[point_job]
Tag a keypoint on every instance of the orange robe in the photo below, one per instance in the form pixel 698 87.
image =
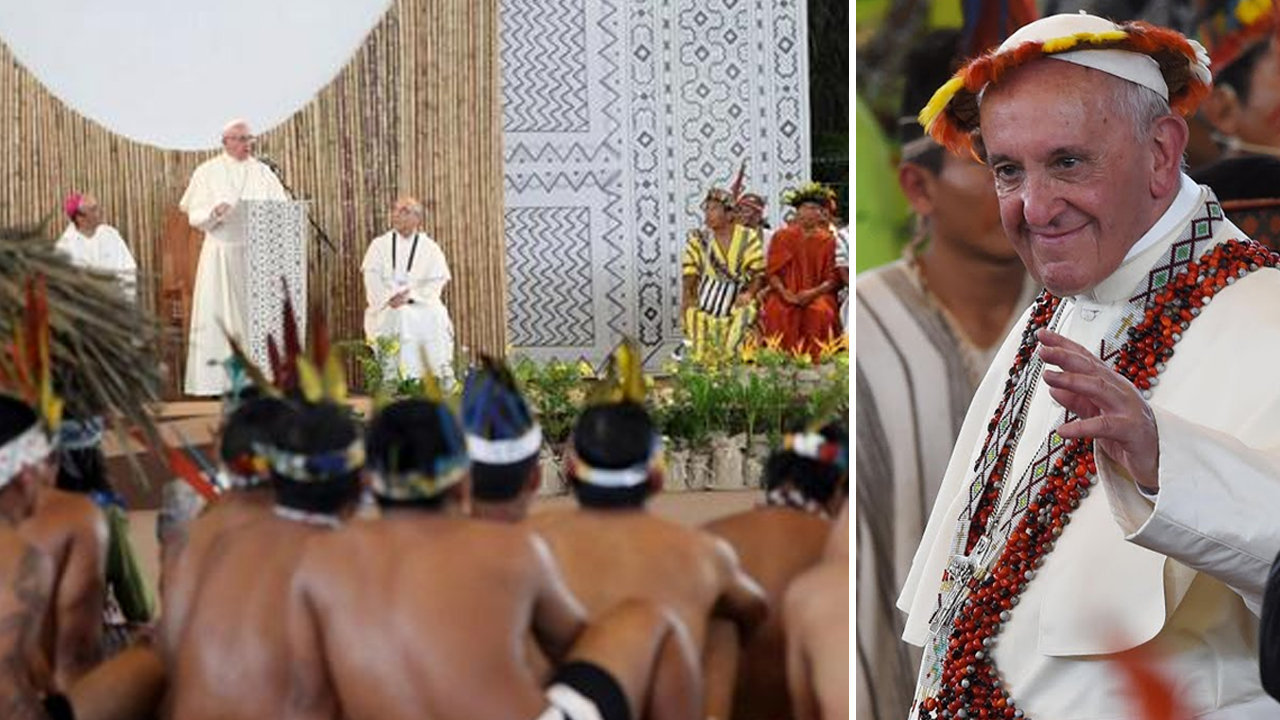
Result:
pixel 802 262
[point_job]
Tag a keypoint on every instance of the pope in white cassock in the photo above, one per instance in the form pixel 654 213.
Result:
pixel 1116 482
pixel 216 186
pixel 91 243
pixel 404 275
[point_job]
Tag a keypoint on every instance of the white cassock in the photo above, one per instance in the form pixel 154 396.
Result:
pixel 1184 573
pixel 391 264
pixel 221 275
pixel 105 251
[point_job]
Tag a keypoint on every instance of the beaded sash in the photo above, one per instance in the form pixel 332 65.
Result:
pixel 1002 538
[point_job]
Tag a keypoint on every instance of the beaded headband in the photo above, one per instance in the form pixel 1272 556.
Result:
pixel 245 471
pixel 320 467
pixel 417 485
pixel 80 434
pixel 814 446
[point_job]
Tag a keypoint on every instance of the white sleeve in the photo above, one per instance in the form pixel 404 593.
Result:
pixel 1216 507
pixel 199 201
pixel 430 286
pixel 125 266
pixel 376 289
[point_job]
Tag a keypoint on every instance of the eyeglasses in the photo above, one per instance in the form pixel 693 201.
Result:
pixel 242 138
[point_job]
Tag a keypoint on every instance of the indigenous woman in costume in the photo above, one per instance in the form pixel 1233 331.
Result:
pixel 723 268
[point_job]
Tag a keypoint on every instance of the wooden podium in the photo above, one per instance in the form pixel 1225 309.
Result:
pixel 275 248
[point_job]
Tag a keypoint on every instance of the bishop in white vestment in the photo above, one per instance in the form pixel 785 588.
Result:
pixel 93 244
pixel 216 187
pixel 404 276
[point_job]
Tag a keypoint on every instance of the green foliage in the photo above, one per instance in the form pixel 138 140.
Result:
pixel 555 391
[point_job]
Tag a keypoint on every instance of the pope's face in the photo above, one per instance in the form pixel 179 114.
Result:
pixel 1075 185
pixel 238 142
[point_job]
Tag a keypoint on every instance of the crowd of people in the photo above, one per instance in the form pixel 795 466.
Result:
pixel 742 280
pixel 1022 354
pixel 391 568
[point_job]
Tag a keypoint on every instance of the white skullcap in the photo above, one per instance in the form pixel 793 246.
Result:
pixel 232 124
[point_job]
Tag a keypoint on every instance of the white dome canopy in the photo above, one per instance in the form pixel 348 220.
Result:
pixel 170 73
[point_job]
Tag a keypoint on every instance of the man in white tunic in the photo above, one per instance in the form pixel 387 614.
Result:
pixel 91 243
pixel 404 275
pixel 217 185
pixel 1026 584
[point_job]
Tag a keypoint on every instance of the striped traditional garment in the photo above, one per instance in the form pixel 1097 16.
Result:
pixel 915 379
pixel 715 327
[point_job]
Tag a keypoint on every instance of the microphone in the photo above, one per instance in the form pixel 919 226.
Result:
pixel 266 160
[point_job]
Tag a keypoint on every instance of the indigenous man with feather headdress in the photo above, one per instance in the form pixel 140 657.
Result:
pixel 610 548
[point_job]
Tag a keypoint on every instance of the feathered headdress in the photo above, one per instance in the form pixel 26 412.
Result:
pixel 499 426
pixel 100 346
pixel 814 192
pixel 27 369
pixel 26 373
pixel 813 445
pixel 448 468
pixel 1230 28
pixel 1144 54
pixel 316 375
pixel 623 384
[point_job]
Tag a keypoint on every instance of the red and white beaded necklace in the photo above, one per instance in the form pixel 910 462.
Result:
pixel 982 598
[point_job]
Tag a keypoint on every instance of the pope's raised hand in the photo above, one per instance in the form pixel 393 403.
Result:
pixel 1109 408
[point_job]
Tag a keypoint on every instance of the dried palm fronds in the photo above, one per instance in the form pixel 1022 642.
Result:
pixel 104 349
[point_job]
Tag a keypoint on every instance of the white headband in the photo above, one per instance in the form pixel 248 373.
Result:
pixel 30 447
pixel 504 452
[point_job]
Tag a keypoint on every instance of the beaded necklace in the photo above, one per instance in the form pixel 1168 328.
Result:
pixel 971 685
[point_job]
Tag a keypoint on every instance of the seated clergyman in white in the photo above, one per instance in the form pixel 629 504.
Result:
pixel 404 274
pixel 93 244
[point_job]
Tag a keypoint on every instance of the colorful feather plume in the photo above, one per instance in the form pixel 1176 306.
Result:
pixel 624 377
pixel 28 371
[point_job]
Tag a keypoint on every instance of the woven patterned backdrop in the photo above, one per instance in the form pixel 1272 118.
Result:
pixel 617 118
pixel 415 111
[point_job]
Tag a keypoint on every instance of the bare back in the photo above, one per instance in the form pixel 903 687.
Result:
pixel 72 531
pixel 774 545
pixel 186 558
pixel 231 655
pixel 425 615
pixel 26 586
pixel 611 555
pixel 816 613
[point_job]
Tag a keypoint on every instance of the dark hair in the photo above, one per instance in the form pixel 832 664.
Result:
pixel 411 435
pixel 250 423
pixel 83 470
pixel 1240 72
pixel 16 417
pixel 612 437
pixel 313 430
pixel 435 502
pixel 817 481
pixel 499 483
pixel 1247 177
pixel 931 62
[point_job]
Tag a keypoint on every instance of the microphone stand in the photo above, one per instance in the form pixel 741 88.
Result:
pixel 294 196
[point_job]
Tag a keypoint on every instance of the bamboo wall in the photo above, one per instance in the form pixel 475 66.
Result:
pixel 416 111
